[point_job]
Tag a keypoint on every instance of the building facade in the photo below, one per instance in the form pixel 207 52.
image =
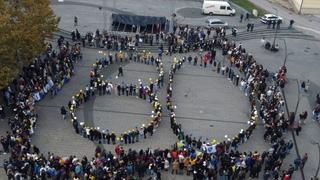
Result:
pixel 306 6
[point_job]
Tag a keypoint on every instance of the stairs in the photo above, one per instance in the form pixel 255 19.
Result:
pixel 153 49
pixel 61 32
pixel 258 33
pixel 270 33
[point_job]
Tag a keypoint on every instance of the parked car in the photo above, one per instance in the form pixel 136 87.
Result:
pixel 215 23
pixel 270 17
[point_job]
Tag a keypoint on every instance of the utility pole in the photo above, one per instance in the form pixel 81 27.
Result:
pixel 276 31
pixel 286 52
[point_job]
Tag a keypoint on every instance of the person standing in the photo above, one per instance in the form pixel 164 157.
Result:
pixel 218 67
pixel 73 36
pixel 278 24
pixel 291 23
pixel 2 113
pixel 290 170
pixel 83 39
pixel 251 27
pixel 206 59
pixel 269 24
pixel 247 16
pixel 274 24
pixel 248 27
pixel 298 128
pixel 119 90
pixel 195 61
pixel 157 38
pixel 63 112
pixel 75 125
pixel 241 17
pixel 234 32
pixel 120 71
pixel 175 166
pixel 307 86
pixel 303 116
pixel 75 21
pixel 78 35
pixel 208 33
pixel 189 59
pixel 303 86
pixel 304 160
pixel 5 144
pixel 297 163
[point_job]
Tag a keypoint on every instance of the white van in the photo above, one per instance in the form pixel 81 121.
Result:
pixel 217 7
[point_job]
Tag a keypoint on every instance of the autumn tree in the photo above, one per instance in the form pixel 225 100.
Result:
pixel 24 26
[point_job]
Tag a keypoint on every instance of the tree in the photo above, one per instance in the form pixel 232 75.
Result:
pixel 24 26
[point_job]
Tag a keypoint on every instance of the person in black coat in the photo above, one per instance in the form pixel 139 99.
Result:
pixel 120 71
pixel 63 112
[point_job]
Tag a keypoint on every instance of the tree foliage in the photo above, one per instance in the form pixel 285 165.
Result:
pixel 24 26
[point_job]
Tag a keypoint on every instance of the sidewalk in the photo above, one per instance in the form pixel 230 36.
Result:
pixel 306 23
pixel 310 131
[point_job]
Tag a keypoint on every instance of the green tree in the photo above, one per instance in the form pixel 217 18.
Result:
pixel 24 26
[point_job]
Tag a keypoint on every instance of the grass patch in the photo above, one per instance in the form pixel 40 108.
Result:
pixel 249 6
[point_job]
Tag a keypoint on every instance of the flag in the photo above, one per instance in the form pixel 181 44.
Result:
pixel 211 149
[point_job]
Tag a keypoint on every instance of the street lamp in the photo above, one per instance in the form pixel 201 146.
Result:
pixel 285 59
pixel 318 144
pixel 286 52
pixel 276 31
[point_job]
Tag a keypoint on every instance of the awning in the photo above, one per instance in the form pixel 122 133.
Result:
pixel 137 20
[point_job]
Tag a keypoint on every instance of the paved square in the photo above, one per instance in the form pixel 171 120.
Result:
pixel 208 104
pixel 120 113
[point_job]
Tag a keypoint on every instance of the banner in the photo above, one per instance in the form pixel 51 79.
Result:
pixel 211 149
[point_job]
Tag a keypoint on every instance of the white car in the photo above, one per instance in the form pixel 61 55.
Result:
pixel 215 23
pixel 270 17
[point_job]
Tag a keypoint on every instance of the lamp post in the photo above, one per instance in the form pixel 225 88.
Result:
pixel 285 51
pixel 318 144
pixel 276 31
pixel 285 59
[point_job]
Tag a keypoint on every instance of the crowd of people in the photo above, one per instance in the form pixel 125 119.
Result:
pixel 98 87
pixel 116 42
pixel 190 156
pixel 184 39
pixel 45 75
pixel 144 56
pixel 267 104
